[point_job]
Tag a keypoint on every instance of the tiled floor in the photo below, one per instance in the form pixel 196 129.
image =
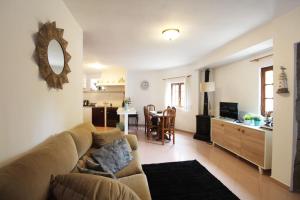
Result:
pixel 239 176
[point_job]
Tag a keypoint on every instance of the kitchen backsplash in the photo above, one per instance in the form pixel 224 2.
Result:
pixel 100 99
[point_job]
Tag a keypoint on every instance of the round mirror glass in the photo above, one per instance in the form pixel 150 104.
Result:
pixel 55 56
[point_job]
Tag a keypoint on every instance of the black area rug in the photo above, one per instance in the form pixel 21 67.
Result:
pixel 187 180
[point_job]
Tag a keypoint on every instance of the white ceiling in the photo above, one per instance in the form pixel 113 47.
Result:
pixel 127 33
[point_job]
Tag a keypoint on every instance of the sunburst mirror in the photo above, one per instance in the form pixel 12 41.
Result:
pixel 52 55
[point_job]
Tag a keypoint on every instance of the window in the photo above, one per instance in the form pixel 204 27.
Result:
pixel 178 94
pixel 267 85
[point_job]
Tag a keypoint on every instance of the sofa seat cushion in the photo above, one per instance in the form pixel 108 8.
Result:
pixel 134 167
pixel 82 136
pixel 29 176
pixel 139 184
pixel 84 186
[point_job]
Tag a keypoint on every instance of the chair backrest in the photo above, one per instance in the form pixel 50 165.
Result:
pixel 168 120
pixel 147 115
pixel 151 107
pixel 145 111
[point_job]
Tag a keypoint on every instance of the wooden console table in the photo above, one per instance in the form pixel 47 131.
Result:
pixel 251 143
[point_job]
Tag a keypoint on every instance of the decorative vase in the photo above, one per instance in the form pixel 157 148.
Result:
pixel 126 106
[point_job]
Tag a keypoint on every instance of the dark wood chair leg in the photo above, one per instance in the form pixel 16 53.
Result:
pixel 173 137
pixel 163 137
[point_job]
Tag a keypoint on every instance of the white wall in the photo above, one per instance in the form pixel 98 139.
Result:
pixel 240 82
pixel 156 93
pixel 140 98
pixel 29 111
pixel 286 35
pixel 285 31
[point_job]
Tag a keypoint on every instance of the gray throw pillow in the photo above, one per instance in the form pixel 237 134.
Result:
pixel 114 156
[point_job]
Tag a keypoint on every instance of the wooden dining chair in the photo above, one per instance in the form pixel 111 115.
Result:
pixel 145 115
pixel 151 107
pixel 150 126
pixel 168 124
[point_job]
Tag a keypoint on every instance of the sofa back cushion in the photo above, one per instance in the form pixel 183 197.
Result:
pixel 82 135
pixel 29 176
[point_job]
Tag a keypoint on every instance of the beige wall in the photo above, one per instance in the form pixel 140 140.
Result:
pixel 29 111
pixel 240 82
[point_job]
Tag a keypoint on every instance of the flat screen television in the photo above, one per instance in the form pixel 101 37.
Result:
pixel 229 110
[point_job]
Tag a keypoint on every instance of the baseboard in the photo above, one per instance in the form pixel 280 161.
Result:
pixel 176 129
pixel 280 184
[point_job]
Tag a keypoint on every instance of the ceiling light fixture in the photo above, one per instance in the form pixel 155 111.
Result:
pixel 171 34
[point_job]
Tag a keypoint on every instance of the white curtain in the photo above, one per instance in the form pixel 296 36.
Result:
pixel 187 83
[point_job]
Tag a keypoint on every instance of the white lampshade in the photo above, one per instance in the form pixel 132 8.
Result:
pixel 207 87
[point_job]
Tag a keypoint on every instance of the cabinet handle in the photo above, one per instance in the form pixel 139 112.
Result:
pixel 243 131
pixel 239 129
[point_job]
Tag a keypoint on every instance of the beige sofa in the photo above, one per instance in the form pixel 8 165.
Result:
pixel 29 176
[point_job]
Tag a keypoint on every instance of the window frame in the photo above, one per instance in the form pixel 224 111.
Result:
pixel 179 103
pixel 263 89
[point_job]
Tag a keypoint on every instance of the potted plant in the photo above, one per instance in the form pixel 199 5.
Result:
pixel 127 101
pixel 248 119
pixel 257 120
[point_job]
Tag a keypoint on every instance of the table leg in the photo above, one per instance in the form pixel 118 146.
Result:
pixel 126 124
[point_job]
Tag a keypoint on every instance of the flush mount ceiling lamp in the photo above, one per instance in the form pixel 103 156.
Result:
pixel 171 34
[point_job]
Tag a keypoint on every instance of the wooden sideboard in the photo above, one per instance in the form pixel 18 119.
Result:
pixel 251 143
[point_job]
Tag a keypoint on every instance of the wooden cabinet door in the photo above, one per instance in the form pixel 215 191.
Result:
pixel 98 116
pixel 112 117
pixel 217 131
pixel 253 143
pixel 232 138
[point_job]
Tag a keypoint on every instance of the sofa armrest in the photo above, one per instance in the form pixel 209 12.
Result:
pixel 133 142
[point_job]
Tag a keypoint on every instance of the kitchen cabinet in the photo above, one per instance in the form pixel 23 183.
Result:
pixel 112 118
pixel 98 116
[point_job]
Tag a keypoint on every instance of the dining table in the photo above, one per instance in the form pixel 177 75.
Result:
pixel 158 114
